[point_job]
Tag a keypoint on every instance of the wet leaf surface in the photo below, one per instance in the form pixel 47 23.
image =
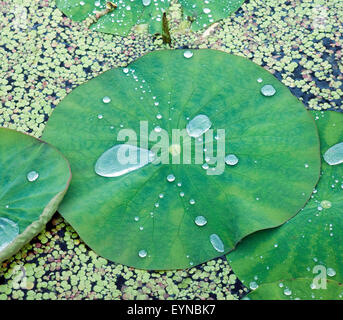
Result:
pixel 34 179
pixel 273 137
pixel 295 260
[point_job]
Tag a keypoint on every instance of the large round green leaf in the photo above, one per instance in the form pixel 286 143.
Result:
pixel 130 13
pixel 296 259
pixel 34 178
pixel 274 138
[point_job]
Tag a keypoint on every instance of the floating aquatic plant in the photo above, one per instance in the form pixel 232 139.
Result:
pixel 34 179
pixel 302 258
pixel 123 216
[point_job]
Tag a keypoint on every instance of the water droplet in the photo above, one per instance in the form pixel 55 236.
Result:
pixel 253 285
pixel 326 204
pixel 330 272
pixel 259 80
pixel 205 166
pixel 182 194
pixel 126 70
pixel 106 99
pixel 171 177
pixel 146 2
pixel 142 253
pixel 334 155
pixel 268 90
pixel 32 176
pixel 287 292
pixel 198 126
pixel 159 116
pixel 306 165
pixel 192 201
pixel 231 160
pixel 136 218
pixel 141 228
pixel 216 242
pixel 100 116
pixel 161 195
pixel 122 159
pixel 188 54
pixel 157 129
pixel 9 230
pixel 206 10
pixel 200 221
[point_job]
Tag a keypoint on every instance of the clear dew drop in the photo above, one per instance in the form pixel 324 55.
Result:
pixel 231 160
pixel 126 70
pixel 142 253
pixel 206 10
pixel 259 80
pixel 200 221
pixel 106 99
pixel 146 2
pixel 268 90
pixel 198 126
pixel 136 218
pixel 216 242
pixel 122 159
pixel 182 194
pixel 330 272
pixel 170 178
pixel 287 292
pixel 157 129
pixel 253 285
pixel 205 166
pixel 188 54
pixel 191 201
pixel 9 230
pixel 32 176
pixel 334 155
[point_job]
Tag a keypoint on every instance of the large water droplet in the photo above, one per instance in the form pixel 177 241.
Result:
pixel 171 177
pixel 188 54
pixel 330 272
pixel 231 160
pixel 122 159
pixel 253 285
pixel 216 242
pixel 198 126
pixel 106 99
pixel 9 230
pixel 142 253
pixel 200 221
pixel 287 292
pixel 334 155
pixel 268 90
pixel 32 176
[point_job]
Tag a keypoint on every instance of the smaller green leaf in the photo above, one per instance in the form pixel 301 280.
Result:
pixel 34 178
pixel 302 259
